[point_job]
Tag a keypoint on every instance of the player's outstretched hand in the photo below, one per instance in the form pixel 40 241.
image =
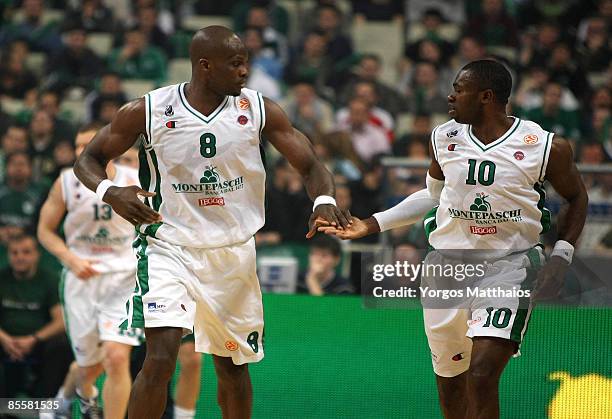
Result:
pixel 550 279
pixel 125 202
pixel 356 230
pixel 327 215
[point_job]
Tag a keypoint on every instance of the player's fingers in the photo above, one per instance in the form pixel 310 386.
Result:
pixel 311 232
pixel 142 192
pixel 342 217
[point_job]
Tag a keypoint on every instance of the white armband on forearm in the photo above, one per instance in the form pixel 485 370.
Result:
pixel 564 250
pixel 413 208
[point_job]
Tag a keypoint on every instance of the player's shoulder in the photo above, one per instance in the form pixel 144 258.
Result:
pixel 528 125
pixel 67 174
pixel 450 128
pixel 164 90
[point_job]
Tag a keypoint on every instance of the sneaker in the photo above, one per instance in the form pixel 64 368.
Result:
pixel 89 408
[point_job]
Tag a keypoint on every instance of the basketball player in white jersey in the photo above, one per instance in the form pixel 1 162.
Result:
pixel 98 276
pixel 204 182
pixel 485 192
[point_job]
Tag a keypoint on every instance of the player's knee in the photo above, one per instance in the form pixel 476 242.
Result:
pixel 159 368
pixel 116 360
pixel 482 375
pixel 191 362
pixel 231 374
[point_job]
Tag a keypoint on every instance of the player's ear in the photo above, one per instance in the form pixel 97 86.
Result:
pixel 487 96
pixel 204 63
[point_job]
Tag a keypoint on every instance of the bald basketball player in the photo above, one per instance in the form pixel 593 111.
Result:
pixel 203 182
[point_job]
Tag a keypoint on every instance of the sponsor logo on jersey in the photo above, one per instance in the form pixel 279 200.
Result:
pixel 156 308
pixel 211 183
pixel 242 120
pixel 451 147
pixel 244 103
pixel 480 212
pixel 183 307
pixel 169 111
pixel 481 231
pixel 103 241
pixel 452 133
pixel 519 155
pixel 530 139
pixel 458 357
pixel 231 345
pixel 171 124
pixel 216 201
pixel 474 321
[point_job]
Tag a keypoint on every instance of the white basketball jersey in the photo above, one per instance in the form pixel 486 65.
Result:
pixel 92 229
pixel 207 171
pixel 493 196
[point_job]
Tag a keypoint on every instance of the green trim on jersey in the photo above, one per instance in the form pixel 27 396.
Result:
pixel 195 111
pixel 144 173
pixel 151 229
pixel 157 199
pixel 149 111
pixel 142 285
pixel 261 114
pixel 429 222
pixel 548 142
pixel 545 218
pixel 489 146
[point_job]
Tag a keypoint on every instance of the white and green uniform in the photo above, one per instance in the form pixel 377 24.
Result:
pixel 492 206
pixel 197 267
pixel 94 308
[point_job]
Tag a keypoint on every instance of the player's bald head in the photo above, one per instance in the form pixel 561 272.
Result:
pixel 214 42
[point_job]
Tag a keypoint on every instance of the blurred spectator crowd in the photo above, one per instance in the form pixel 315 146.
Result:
pixel 362 79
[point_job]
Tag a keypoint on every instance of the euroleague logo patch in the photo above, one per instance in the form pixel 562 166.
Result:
pixel 244 103
pixel 530 139
pixel 519 155
pixel 242 120
pixel 231 345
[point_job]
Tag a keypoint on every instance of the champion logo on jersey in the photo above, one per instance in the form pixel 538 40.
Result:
pixel 169 111
pixel 451 147
pixel 519 155
pixel 171 124
pixel 242 120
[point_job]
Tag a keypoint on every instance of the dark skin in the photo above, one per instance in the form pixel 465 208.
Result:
pixel 474 393
pixel 219 68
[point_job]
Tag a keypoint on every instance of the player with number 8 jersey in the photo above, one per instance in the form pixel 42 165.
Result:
pixel 206 171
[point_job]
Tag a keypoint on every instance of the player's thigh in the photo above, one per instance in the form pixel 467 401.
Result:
pixel 229 318
pixel 505 313
pixel 446 335
pixel 78 298
pixel 112 310
pixel 162 295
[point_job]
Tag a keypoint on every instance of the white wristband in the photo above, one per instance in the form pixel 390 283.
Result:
pixel 564 250
pixel 323 199
pixel 103 187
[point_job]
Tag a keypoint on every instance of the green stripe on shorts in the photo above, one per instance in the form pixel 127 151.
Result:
pixel 142 275
pixel 521 315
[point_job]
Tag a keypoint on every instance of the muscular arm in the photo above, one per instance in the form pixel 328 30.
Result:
pixel 294 145
pixel 110 142
pixel 51 215
pixel 563 175
pixel 409 211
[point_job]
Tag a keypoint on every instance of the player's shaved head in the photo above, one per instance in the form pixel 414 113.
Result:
pixel 213 42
